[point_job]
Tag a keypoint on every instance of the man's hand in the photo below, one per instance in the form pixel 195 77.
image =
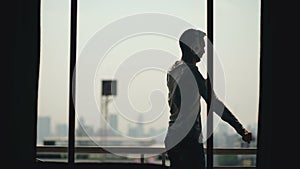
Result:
pixel 247 136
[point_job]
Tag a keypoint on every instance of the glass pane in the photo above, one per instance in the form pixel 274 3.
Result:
pixel 132 43
pixel 235 160
pixel 52 129
pixel 237 47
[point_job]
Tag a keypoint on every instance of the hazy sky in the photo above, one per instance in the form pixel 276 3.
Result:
pixel 236 43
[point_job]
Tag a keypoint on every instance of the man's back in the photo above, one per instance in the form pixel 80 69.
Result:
pixel 184 99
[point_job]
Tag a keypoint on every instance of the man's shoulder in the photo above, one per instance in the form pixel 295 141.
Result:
pixel 175 66
pixel 181 66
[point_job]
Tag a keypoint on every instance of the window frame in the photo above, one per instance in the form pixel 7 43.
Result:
pixel 73 48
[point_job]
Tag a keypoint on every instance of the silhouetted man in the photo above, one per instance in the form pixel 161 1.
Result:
pixel 184 141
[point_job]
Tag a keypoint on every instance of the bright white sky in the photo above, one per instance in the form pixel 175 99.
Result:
pixel 236 43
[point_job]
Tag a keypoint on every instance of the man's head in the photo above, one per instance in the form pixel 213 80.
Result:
pixel 192 45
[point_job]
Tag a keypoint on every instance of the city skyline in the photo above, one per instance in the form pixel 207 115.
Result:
pixel 48 130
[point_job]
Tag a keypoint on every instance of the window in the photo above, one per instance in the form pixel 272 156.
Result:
pixel 237 45
pixel 109 48
pixel 53 89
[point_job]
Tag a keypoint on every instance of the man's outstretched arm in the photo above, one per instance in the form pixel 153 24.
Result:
pixel 219 107
pixel 222 111
pixel 227 116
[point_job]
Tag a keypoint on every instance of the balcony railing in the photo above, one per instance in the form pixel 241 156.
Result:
pixel 142 151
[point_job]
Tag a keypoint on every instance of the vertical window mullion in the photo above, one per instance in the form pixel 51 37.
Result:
pixel 209 146
pixel 72 80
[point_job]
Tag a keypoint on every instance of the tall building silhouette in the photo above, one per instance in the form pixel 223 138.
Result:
pixel 43 129
pixel 61 130
pixel 113 121
pixel 140 126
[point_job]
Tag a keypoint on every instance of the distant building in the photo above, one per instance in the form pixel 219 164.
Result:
pixel 61 130
pixel 84 130
pixel 113 121
pixel 43 128
pixel 137 130
pixel 132 132
pixel 140 127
